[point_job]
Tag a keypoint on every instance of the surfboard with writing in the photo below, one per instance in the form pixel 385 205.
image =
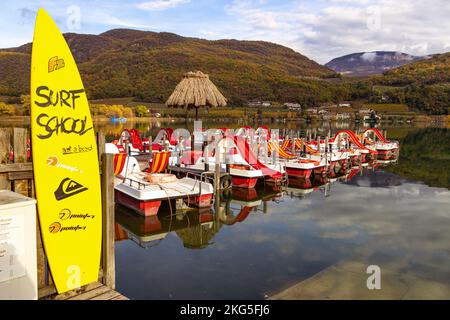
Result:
pixel 65 163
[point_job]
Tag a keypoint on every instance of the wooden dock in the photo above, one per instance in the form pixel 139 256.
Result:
pixel 93 291
pixel 209 176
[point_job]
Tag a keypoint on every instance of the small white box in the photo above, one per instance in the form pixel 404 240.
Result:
pixel 18 262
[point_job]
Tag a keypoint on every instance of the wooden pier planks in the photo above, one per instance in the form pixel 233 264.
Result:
pixel 92 291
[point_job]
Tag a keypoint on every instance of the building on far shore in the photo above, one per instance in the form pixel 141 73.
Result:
pixel 311 110
pixel 258 104
pixel 343 116
pixel 368 114
pixel 365 111
pixel 334 105
pixel 293 106
pixel 325 114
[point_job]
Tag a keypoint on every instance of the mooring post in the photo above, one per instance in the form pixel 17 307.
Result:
pixel 217 170
pixel 100 144
pixel 292 136
pixel 108 259
pixel 206 155
pixel 150 144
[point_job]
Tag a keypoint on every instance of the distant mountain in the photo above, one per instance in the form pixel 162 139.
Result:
pixel 370 63
pixel 148 65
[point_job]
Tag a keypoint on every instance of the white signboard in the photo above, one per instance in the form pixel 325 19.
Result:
pixel 12 247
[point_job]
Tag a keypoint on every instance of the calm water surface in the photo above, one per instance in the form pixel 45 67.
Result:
pixel 260 242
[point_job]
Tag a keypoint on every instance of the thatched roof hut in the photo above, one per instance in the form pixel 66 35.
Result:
pixel 194 91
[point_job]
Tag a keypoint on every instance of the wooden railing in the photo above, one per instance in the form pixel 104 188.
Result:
pixel 16 174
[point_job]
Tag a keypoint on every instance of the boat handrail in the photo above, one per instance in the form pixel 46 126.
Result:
pixel 141 184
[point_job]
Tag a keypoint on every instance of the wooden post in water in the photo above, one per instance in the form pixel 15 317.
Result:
pixel 217 170
pixel 100 144
pixel 108 259
pixel 292 143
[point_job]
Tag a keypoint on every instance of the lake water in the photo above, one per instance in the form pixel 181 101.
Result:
pixel 395 216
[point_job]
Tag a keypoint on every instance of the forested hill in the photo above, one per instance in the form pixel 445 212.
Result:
pixel 148 65
pixel 423 85
pixel 433 70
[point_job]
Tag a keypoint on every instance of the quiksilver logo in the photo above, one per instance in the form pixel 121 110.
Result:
pixel 68 188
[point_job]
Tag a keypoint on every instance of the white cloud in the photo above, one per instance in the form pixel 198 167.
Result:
pixel 369 56
pixel 351 1
pixel 155 5
pixel 105 18
pixel 256 17
pixel 341 27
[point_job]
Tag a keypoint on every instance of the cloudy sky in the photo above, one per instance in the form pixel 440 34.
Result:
pixel 321 29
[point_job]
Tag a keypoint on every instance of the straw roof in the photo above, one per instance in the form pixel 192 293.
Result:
pixel 196 90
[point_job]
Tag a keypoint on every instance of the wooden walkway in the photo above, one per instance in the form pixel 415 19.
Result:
pixel 92 291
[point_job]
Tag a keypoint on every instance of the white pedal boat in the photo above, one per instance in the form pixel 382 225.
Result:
pixel 144 192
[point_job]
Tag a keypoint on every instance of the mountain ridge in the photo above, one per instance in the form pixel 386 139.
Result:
pixel 370 62
pixel 119 62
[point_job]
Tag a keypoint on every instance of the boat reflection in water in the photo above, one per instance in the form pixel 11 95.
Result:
pixel 301 187
pixel 196 228
pixel 236 205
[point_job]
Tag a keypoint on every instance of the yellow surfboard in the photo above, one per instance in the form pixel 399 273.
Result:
pixel 65 163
